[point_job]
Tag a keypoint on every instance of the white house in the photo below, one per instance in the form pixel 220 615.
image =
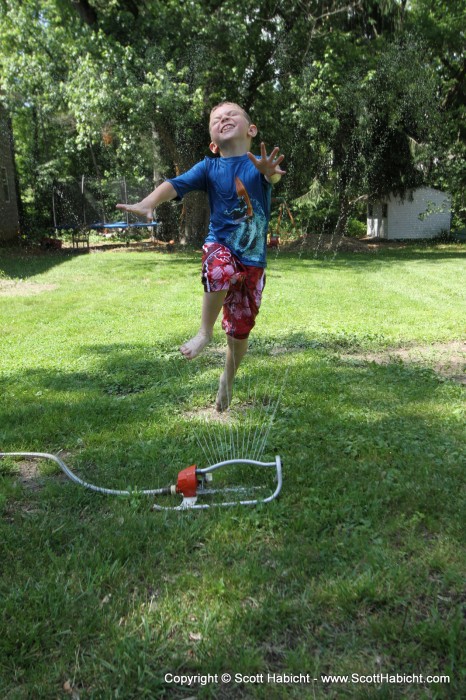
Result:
pixel 423 213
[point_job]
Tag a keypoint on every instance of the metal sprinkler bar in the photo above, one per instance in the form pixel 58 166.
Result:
pixel 192 482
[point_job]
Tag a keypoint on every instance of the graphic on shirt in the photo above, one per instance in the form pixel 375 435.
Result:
pixel 239 200
pixel 244 209
pixel 248 237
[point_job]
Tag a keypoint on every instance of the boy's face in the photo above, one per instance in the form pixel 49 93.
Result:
pixel 229 123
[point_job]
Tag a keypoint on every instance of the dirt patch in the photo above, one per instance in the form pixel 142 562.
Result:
pixel 236 410
pixel 448 360
pixel 281 350
pixel 20 288
pixel 30 475
pixel 209 415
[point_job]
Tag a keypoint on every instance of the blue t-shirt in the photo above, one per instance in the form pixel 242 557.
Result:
pixel 239 198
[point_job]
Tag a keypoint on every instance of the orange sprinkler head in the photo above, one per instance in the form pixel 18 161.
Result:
pixel 187 482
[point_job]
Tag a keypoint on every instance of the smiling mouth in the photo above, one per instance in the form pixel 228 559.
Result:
pixel 227 127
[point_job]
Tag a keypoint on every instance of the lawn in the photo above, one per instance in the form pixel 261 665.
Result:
pixel 357 569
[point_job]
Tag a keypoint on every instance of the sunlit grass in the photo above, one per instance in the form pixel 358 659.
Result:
pixel 358 568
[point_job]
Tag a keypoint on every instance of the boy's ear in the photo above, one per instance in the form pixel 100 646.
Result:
pixel 252 131
pixel 213 147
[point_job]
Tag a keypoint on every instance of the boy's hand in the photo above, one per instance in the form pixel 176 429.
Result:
pixel 269 166
pixel 139 209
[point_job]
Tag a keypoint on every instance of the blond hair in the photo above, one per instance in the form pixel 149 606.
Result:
pixel 227 102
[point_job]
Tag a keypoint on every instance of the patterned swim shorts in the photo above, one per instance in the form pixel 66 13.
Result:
pixel 222 270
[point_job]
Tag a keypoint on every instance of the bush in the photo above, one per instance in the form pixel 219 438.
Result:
pixel 313 220
pixel 356 228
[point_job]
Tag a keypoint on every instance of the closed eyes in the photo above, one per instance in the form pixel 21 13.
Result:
pixel 233 113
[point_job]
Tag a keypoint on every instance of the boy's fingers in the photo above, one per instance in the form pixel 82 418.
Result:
pixel 253 158
pixel 133 208
pixel 125 207
pixel 266 163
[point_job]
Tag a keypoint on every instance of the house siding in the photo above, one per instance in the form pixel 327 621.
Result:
pixel 9 215
pixel 376 223
pixel 425 214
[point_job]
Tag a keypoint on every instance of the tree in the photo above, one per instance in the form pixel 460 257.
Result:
pixel 126 88
pixel 148 97
pixel 441 26
pixel 384 113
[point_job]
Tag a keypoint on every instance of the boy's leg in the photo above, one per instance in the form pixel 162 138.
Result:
pixel 211 306
pixel 239 313
pixel 236 350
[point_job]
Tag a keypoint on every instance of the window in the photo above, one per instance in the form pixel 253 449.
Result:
pixel 4 184
pixel 370 210
pixel 384 211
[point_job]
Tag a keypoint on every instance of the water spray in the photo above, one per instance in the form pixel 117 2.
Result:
pixel 192 483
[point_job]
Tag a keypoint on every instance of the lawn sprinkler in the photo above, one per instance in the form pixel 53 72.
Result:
pixel 192 484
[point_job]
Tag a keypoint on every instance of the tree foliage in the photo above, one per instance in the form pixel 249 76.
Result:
pixel 349 90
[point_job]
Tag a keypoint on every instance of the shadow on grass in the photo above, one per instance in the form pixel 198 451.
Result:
pixel 18 263
pixel 357 561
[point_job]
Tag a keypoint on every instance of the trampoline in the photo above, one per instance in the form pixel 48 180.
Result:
pixel 88 201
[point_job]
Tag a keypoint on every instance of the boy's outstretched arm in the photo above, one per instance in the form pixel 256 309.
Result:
pixel 162 193
pixel 269 166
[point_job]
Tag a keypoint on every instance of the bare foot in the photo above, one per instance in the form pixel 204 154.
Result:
pixel 223 395
pixel 192 348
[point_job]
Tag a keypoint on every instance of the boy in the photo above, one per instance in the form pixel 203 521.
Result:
pixel 239 189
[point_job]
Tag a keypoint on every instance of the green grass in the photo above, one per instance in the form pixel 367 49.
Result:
pixel 358 568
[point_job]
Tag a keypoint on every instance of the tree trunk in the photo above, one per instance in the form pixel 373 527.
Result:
pixel 186 222
pixel 168 216
pixel 85 11
pixel 344 208
pixel 19 201
pixel 194 222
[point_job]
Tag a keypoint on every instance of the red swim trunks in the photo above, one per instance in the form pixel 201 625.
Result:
pixel 222 270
